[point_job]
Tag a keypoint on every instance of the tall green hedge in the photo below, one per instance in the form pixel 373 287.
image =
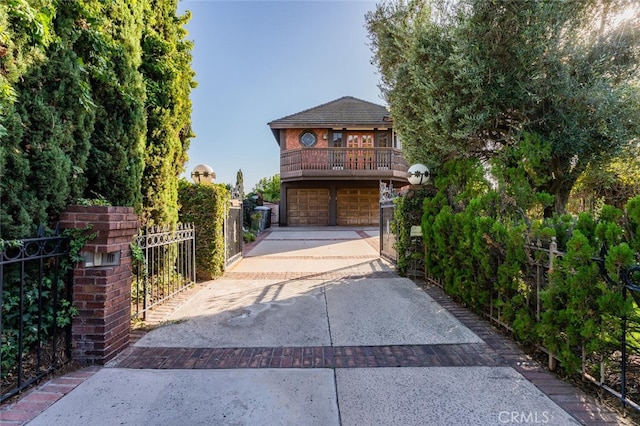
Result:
pixel 168 77
pixel 115 163
pixel 206 207
pixel 476 247
pixel 91 108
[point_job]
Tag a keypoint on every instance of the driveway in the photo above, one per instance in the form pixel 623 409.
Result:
pixel 312 327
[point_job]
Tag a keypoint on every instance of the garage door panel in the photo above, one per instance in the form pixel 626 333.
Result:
pixel 308 206
pixel 358 206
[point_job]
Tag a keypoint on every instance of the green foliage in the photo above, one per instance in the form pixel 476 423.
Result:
pixel 248 236
pixel 45 307
pixel 168 77
pixel 407 213
pixel 269 188
pixel 474 78
pixel 240 183
pixel 89 92
pixel 613 183
pixel 633 223
pixel 47 139
pixel 116 156
pixel 486 253
pixel 39 304
pixel 580 312
pixel 206 207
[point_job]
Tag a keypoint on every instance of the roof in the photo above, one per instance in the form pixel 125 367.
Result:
pixel 343 112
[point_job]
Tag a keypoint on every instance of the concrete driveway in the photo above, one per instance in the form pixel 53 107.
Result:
pixel 313 328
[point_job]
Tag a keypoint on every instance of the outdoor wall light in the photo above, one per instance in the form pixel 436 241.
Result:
pixel 203 173
pixel 418 174
pixel 96 260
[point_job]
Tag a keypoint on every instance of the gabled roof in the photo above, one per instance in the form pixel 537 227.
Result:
pixel 343 112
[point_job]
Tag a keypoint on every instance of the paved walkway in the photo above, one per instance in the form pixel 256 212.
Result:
pixel 310 329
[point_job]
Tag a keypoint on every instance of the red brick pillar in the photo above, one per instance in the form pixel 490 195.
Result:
pixel 102 284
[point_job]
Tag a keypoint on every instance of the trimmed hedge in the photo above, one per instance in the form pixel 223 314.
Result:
pixel 206 207
pixel 480 250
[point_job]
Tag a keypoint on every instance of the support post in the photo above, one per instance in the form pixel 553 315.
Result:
pixel 102 283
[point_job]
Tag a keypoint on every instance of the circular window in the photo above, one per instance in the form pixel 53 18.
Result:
pixel 308 138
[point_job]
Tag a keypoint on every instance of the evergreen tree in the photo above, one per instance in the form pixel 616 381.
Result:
pixel 168 79
pixel 45 130
pixel 116 158
pixel 73 92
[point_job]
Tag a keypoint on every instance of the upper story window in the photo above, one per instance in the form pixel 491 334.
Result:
pixel 308 138
pixel 336 140
pixel 383 140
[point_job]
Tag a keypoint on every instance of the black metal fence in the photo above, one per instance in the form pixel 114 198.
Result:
pixel 35 320
pixel 164 265
pixel 388 232
pixel 233 234
pixel 630 354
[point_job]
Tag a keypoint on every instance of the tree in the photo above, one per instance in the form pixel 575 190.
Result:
pixel 90 91
pixel 46 115
pixel 269 188
pixel 613 183
pixel 113 56
pixel 471 78
pixel 166 67
pixel 240 183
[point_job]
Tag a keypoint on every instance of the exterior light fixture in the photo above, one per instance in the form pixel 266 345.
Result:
pixel 203 173
pixel 418 174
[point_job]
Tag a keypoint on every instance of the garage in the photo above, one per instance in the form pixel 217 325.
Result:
pixel 358 206
pixel 308 206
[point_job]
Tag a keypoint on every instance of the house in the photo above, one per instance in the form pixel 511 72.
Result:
pixel 332 160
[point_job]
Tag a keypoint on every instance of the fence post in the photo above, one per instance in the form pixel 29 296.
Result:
pixel 553 250
pixel 102 283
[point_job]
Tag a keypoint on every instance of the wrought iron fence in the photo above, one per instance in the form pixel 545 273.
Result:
pixel 35 319
pixel 164 265
pixel 233 234
pixel 388 231
pixel 630 362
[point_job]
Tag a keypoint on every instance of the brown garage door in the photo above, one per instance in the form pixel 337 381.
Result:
pixel 308 206
pixel 358 206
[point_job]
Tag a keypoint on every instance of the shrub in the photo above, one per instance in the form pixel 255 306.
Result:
pixel 206 207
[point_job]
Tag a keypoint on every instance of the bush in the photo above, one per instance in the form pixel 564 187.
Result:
pixel 206 206
pixel 479 247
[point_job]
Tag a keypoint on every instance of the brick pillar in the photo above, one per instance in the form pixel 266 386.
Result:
pixel 102 292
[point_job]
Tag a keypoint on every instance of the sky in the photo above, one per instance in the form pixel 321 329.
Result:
pixel 258 61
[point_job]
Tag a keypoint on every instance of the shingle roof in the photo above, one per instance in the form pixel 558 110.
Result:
pixel 343 112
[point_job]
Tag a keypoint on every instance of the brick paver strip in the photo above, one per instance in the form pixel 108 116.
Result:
pixel 38 399
pixel 468 355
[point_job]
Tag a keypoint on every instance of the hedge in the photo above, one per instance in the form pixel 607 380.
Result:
pixel 206 207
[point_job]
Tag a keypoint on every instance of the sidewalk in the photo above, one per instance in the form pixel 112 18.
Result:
pixel 313 328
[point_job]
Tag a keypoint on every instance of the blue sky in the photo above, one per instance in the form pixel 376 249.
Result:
pixel 257 61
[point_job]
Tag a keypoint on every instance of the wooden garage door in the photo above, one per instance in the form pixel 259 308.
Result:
pixel 308 206
pixel 358 206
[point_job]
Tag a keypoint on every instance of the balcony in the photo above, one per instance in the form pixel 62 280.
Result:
pixel 342 163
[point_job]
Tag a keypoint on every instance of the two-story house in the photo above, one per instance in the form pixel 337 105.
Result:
pixel 332 160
